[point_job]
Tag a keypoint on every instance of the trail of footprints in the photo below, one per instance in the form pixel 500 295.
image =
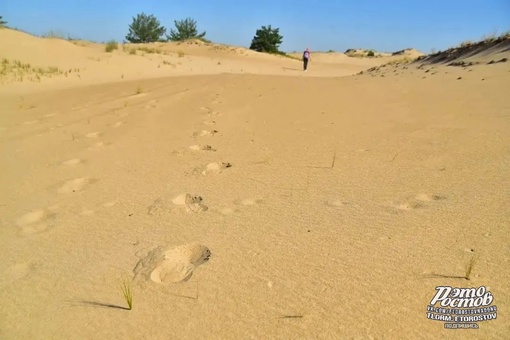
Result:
pixel 172 265
pixel 40 220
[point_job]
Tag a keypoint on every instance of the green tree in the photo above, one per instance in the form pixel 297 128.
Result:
pixel 2 22
pixel 266 39
pixel 145 28
pixel 185 29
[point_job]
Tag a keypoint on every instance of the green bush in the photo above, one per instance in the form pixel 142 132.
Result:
pixel 266 39
pixel 185 29
pixel 145 29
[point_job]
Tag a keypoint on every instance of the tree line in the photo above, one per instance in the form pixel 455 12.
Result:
pixel 146 28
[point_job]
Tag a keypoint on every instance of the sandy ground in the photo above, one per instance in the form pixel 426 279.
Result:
pixel 242 198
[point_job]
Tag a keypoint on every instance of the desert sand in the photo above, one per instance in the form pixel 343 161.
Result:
pixel 241 198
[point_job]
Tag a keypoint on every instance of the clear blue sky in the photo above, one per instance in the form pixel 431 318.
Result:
pixel 384 25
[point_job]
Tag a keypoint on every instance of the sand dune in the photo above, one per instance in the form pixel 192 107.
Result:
pixel 243 198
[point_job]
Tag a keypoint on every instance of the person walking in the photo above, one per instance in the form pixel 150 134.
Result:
pixel 307 56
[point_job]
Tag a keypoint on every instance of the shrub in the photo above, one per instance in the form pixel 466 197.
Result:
pixel 144 29
pixel 266 39
pixel 185 29
pixel 111 45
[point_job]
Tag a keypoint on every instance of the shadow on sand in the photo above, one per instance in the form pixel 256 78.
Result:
pixel 292 69
pixel 99 304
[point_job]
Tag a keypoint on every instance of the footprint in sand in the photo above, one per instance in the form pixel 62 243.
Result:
pixel 409 205
pixel 117 124
pixel 74 185
pixel 214 114
pixel 72 162
pixel 109 204
pixel 163 265
pixel 250 201
pixel 243 202
pixel 190 203
pixel 228 211
pixel 98 145
pixel 335 203
pixel 429 197
pixel 215 168
pixel 202 148
pixel 210 123
pixel 34 222
pixel 18 271
pixel 205 133
pixel 93 134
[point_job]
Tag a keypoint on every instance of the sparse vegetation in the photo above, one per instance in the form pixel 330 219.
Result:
pixel 466 43
pixel 3 23
pixel 469 267
pixel 127 293
pixel 405 60
pixel 54 35
pixel 145 29
pixel 185 30
pixel 15 70
pixel 371 53
pixel 266 39
pixel 180 54
pixel 111 46
pixel 150 50
pixel 139 90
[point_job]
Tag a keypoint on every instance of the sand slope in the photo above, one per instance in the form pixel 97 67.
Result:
pixel 249 205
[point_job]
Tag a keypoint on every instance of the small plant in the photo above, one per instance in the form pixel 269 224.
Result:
pixel 466 43
pixel 469 267
pixel 54 35
pixel 180 54
pixel 149 50
pixel 370 54
pixel 132 51
pixel 128 294
pixel 139 90
pixel 505 35
pixel 111 45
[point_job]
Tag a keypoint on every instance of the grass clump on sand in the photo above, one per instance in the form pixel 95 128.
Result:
pixel 111 46
pixel 127 293
pixel 15 70
pixel 469 267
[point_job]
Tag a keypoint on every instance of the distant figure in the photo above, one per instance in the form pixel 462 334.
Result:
pixel 307 56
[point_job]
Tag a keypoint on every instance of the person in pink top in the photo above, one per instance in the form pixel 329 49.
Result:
pixel 307 56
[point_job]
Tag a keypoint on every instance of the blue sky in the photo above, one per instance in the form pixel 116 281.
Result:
pixel 384 25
